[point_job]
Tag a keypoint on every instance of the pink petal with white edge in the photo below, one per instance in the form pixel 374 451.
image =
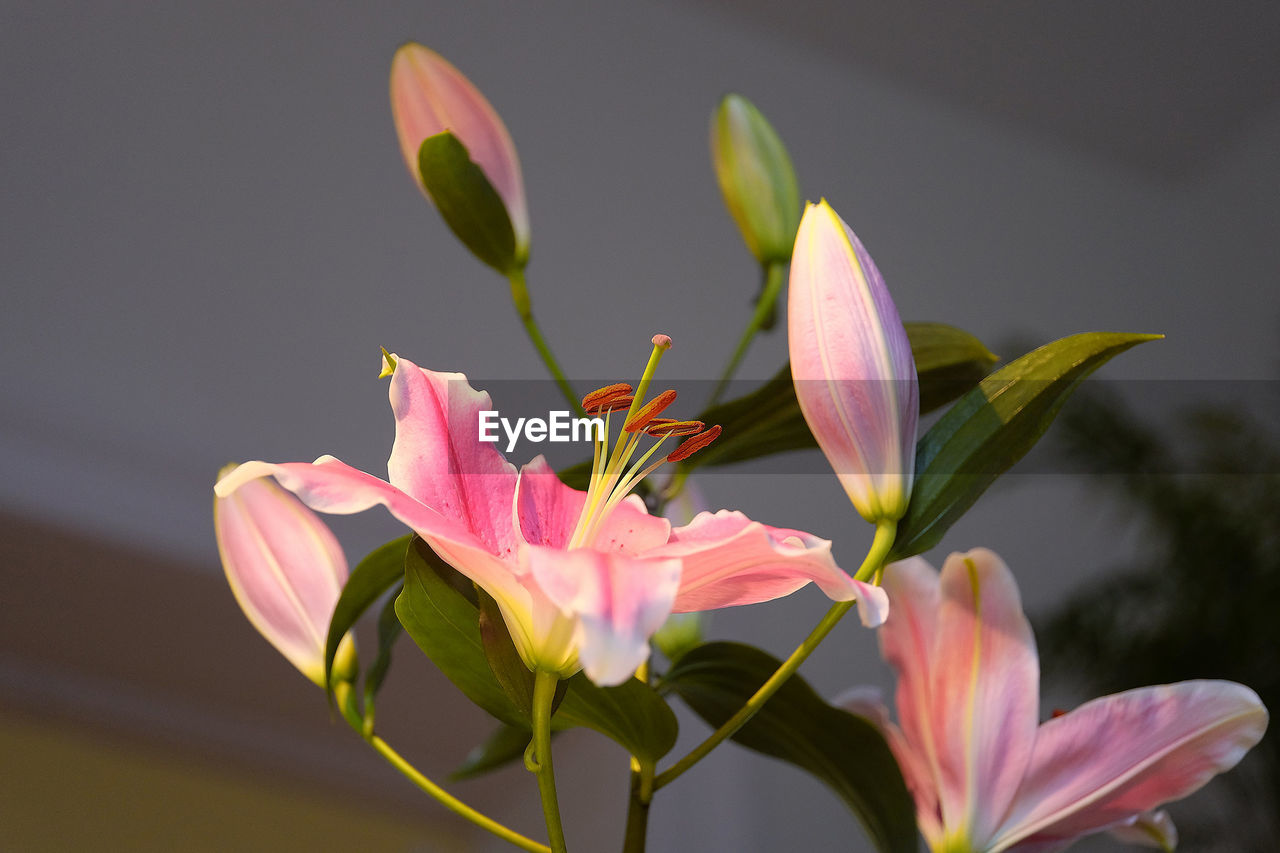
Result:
pixel 438 458
pixel 731 560
pixel 985 697
pixel 331 486
pixel 620 601
pixel 428 96
pixel 1124 754
pixel 907 641
pixel 867 702
pixel 285 568
pixel 547 513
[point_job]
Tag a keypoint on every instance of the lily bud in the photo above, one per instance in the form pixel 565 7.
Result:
pixel 286 570
pixel 756 179
pixel 852 366
pixel 429 96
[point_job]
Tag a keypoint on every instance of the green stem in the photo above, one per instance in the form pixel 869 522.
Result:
pixel 544 692
pixel 880 546
pixel 773 279
pixel 638 808
pixel 346 701
pixel 524 307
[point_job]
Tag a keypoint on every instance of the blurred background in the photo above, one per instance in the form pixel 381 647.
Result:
pixel 207 231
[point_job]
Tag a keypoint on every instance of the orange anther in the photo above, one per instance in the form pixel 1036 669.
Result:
pixel 608 392
pixel 671 426
pixel 649 411
pixel 691 446
pixel 613 404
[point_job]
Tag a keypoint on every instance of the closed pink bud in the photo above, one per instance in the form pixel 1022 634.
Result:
pixel 286 569
pixel 851 361
pixel 430 96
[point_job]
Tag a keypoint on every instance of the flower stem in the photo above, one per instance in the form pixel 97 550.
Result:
pixel 764 306
pixel 638 807
pixel 544 692
pixel 346 701
pixel 524 307
pixel 880 546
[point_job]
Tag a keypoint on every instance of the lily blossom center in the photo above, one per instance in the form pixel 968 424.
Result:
pixel 617 470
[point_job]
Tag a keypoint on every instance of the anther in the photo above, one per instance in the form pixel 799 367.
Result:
pixel 613 404
pixel 691 446
pixel 601 395
pixel 671 426
pixel 649 411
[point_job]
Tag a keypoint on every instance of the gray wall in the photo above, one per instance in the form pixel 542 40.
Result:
pixel 206 232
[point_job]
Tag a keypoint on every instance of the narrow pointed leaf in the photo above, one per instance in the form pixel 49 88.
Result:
pixel 389 630
pixel 949 362
pixel 504 661
pixel 376 573
pixel 844 751
pixel 992 427
pixel 469 204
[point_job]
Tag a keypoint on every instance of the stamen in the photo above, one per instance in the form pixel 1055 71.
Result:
pixel 673 427
pixel 649 411
pixel 608 392
pixel 691 446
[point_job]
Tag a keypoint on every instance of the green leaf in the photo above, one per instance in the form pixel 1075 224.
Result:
pixel 373 576
pixel 505 745
pixel 844 751
pixel 633 714
pixel 505 662
pixel 992 427
pixel 949 362
pixel 446 626
pixel 469 204
pixel 389 630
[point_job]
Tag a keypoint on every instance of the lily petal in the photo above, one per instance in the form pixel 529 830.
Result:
pixel 285 567
pixel 1124 754
pixel 619 600
pixel 329 485
pixel 985 701
pixel 730 560
pixel 429 96
pixel 1149 829
pixel 547 513
pixel 438 458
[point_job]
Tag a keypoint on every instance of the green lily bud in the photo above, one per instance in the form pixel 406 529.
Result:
pixel 756 179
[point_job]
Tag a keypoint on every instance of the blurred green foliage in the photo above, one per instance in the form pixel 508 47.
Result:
pixel 1202 597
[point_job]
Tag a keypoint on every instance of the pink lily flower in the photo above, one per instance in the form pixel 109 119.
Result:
pixel 583 579
pixel 986 775
pixel 851 361
pixel 430 96
pixel 286 570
